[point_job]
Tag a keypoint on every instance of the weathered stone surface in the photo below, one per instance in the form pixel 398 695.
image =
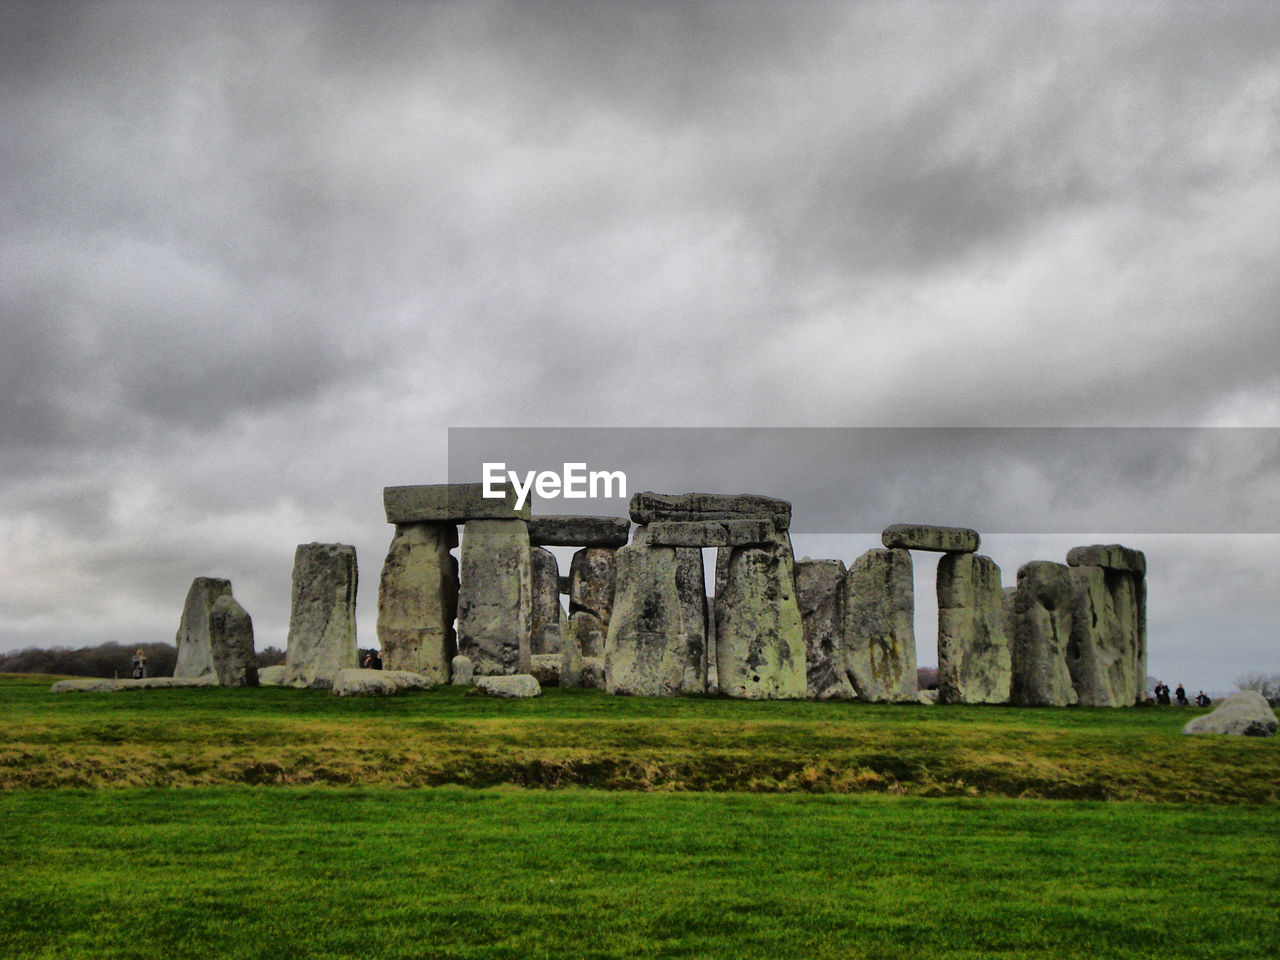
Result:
pixel 760 649
pixel 495 601
pixel 711 533
pixel 593 574
pixel 820 596
pixel 593 673
pixel 195 654
pixel 548 615
pixel 418 600
pixel 272 676
pixel 579 531
pixel 517 685
pixel 571 656
pixel 588 633
pixel 1042 629
pixel 928 697
pixel 545 668
pixel 450 503
pixel 322 620
pixel 975 658
pixel 1245 714
pixel 1113 556
pixel 235 663
pixel 656 642
pixel 463 671
pixel 648 507
pixel 107 685
pixel 563 583
pixel 1103 649
pixel 879 626
pixel 917 536
pixel 357 682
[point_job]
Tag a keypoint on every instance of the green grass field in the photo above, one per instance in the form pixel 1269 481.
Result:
pixel 280 823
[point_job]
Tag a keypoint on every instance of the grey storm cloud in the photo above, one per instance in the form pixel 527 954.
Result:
pixel 256 258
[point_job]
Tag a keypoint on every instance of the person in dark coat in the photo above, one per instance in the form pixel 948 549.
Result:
pixel 1181 694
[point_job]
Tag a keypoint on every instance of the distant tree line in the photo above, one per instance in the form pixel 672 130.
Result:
pixel 1267 684
pixel 106 660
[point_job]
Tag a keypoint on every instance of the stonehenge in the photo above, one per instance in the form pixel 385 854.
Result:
pixel 470 592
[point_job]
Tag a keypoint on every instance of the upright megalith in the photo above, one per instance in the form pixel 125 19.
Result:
pixel 760 646
pixel 1106 654
pixel 495 599
pixel 879 626
pixel 418 600
pixel 593 574
pixel 1042 630
pixel 231 641
pixel 820 596
pixel 548 615
pixel 656 642
pixel 322 619
pixel 195 650
pixel 974 654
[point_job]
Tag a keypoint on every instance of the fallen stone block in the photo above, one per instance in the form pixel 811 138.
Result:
pixel 110 685
pixel 711 533
pixel 272 676
pixel 648 507
pixel 912 536
pixel 1243 714
pixel 357 682
pixel 571 531
pixel 512 685
pixel 450 503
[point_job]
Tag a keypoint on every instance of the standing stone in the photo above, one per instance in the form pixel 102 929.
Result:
pixel 571 655
pixel 760 649
pixel 195 653
pixel 975 662
pixel 820 596
pixel 322 621
pixel 418 600
pixel 879 626
pixel 656 643
pixel 495 601
pixel 1042 629
pixel 593 573
pixel 231 640
pixel 1102 653
pixel 588 632
pixel 463 671
pixel 548 615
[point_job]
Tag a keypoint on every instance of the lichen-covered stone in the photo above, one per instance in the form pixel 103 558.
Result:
pixel 548 615
pixel 918 536
pixel 879 626
pixel 975 659
pixel 571 655
pixel 593 573
pixel 109 685
pixel 1042 629
pixel 322 619
pixel 820 596
pixel 648 507
pixel 545 668
pixel 1103 649
pixel 272 676
pixel 495 599
pixel 1244 714
pixel 760 648
pixel 1112 556
pixel 593 673
pixel 231 641
pixel 711 533
pixel 656 642
pixel 195 654
pixel 570 531
pixel 418 600
pixel 516 686
pixel 357 682
pixel 462 671
pixel 450 503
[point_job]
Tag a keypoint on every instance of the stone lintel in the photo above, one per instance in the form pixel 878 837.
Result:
pixel 919 536
pixel 710 533
pixel 1111 556
pixel 450 503
pixel 579 531
pixel 649 507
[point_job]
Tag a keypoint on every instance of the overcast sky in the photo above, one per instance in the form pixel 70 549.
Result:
pixel 258 258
